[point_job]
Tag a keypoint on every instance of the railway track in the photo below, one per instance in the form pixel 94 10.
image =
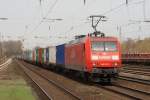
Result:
pixel 35 81
pixel 66 94
pixel 4 65
pixel 136 93
pixel 136 72
pixel 128 92
pixel 114 88
pixel 142 81
pixel 97 93
pixel 138 69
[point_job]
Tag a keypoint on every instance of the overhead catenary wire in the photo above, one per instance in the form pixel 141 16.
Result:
pixel 70 29
pixel 49 11
pixel 41 21
pixel 110 11
pixel 84 2
pixel 144 10
pixel 121 5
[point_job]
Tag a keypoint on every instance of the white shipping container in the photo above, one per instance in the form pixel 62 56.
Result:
pixel 52 55
pixel 30 55
pixel 44 55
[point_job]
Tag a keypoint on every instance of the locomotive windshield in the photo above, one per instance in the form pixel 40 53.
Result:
pixel 104 46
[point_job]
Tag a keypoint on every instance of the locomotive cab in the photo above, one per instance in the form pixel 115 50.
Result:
pixel 105 53
pixel 105 56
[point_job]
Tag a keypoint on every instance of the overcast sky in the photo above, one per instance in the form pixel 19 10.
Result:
pixel 25 19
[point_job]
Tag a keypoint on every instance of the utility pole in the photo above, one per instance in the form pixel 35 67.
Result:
pixel 84 2
pixel 0 47
pixel 144 12
pixel 1 51
pixel 126 2
pixel 140 32
pixel 119 30
pixel 120 33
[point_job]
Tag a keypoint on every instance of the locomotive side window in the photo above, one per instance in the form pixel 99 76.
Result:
pixel 104 46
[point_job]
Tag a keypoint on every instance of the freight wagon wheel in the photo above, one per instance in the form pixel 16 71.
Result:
pixel 85 76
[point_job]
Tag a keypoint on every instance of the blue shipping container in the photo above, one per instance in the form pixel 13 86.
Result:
pixel 60 54
pixel 47 55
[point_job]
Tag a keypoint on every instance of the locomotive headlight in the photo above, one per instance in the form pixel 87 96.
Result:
pixel 94 57
pixel 94 64
pixel 115 57
pixel 115 64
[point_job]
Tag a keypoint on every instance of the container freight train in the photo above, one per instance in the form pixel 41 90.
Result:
pixel 94 58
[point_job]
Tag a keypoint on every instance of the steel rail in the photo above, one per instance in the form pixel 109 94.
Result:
pixel 134 90
pixel 119 92
pixel 49 97
pixel 114 88
pixel 57 85
pixel 137 72
pixel 137 69
pixel 146 82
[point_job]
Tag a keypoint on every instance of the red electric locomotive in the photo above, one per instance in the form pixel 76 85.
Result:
pixel 98 58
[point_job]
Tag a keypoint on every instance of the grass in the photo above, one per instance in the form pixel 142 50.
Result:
pixel 15 90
